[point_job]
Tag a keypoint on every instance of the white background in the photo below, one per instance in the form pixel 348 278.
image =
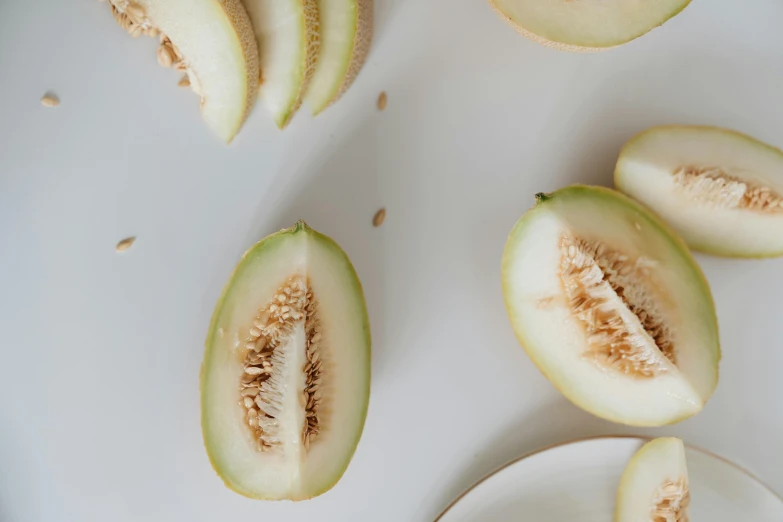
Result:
pixel 99 404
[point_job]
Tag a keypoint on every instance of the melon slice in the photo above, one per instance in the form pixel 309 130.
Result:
pixel 288 36
pixel 346 34
pixel 213 40
pixel 654 485
pixel 611 307
pixel 286 376
pixel 721 190
pixel 585 25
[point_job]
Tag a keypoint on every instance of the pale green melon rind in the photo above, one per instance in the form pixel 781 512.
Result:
pixel 245 265
pixel 567 45
pixel 609 197
pixel 321 95
pixel 629 148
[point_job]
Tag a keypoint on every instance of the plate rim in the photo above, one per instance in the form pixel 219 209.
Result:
pixel 640 438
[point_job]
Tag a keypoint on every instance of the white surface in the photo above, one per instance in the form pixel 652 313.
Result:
pixel 99 414
pixel 579 482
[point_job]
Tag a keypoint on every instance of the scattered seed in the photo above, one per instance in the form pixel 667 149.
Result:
pixel 50 100
pixel 382 99
pixel 379 217
pixel 125 244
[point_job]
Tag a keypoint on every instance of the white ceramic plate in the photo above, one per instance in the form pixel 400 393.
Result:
pixel 577 481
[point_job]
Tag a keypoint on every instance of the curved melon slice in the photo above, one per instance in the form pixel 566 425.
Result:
pixel 721 190
pixel 288 36
pixel 346 34
pixel 286 377
pixel 585 25
pixel 611 307
pixel 218 50
pixel 654 485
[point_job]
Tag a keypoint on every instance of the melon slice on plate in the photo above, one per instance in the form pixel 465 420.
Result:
pixel 346 34
pixel 585 25
pixel 214 41
pixel 286 376
pixel 288 36
pixel 609 304
pixel 721 190
pixel 654 485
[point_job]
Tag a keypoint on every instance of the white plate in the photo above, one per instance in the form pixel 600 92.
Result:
pixel 577 481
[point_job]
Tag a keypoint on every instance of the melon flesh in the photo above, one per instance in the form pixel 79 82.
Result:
pixel 721 190
pixel 634 341
pixel 346 34
pixel 654 486
pixel 216 40
pixel 288 36
pixel 580 25
pixel 287 467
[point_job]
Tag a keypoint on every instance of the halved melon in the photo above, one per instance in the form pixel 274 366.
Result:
pixel 288 36
pixel 286 376
pixel 721 190
pixel 585 25
pixel 611 307
pixel 213 40
pixel 346 34
pixel 654 486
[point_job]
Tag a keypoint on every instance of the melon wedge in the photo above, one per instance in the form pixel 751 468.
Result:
pixel 215 39
pixel 609 304
pixel 721 190
pixel 585 25
pixel 288 36
pixel 286 376
pixel 346 35
pixel 654 485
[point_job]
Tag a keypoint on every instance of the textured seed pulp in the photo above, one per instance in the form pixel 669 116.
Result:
pixel 625 338
pixel 133 19
pixel 671 502
pixel 714 186
pixel 265 367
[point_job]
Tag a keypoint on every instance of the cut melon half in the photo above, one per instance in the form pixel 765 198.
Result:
pixel 286 376
pixel 288 36
pixel 585 25
pixel 215 43
pixel 611 307
pixel 346 35
pixel 654 486
pixel 721 190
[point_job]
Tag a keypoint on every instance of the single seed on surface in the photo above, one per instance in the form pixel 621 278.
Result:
pixel 50 100
pixel 379 217
pixel 184 81
pixel 125 244
pixel 382 100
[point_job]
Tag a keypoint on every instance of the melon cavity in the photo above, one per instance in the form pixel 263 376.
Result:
pixel 721 190
pixel 611 307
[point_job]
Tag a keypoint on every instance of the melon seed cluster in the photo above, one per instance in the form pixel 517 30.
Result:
pixel 266 363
